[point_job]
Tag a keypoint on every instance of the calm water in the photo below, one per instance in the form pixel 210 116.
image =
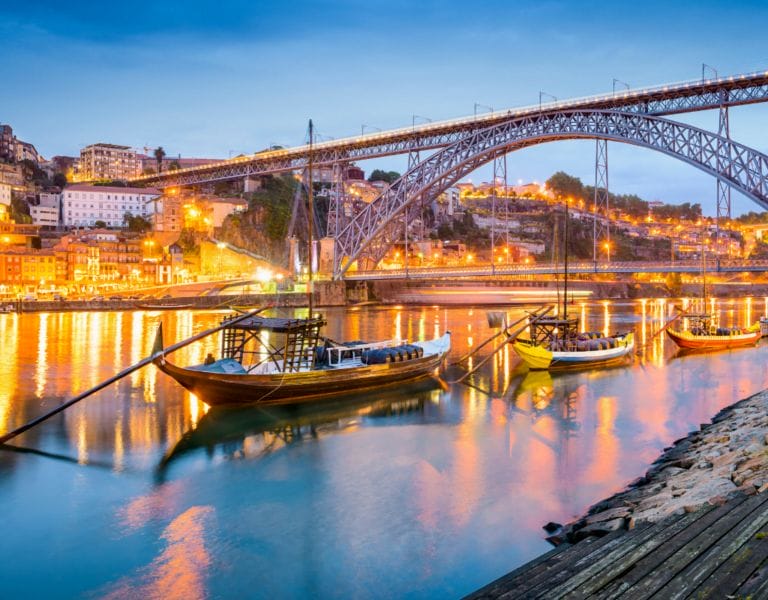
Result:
pixel 141 492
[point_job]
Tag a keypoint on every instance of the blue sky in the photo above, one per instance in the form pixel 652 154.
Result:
pixel 210 79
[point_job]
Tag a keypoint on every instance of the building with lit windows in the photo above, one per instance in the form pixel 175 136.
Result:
pixel 108 161
pixel 5 194
pixel 83 205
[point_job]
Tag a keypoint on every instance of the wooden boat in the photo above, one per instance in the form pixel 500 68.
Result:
pixel 556 342
pixel 180 306
pixel 573 350
pixel 272 361
pixel 703 334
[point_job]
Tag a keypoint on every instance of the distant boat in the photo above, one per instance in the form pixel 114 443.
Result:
pixel 556 342
pixel 152 306
pixel 703 331
pixel 703 334
pixel 279 361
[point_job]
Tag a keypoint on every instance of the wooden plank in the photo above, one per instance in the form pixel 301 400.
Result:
pixel 757 584
pixel 571 562
pixel 540 572
pixel 724 548
pixel 500 585
pixel 735 571
pixel 651 562
pixel 692 551
pixel 601 572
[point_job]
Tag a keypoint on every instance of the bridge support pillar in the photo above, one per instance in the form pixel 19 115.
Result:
pixel 601 230
pixel 723 189
pixel 252 184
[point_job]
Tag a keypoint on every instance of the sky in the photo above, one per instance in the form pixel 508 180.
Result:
pixel 215 79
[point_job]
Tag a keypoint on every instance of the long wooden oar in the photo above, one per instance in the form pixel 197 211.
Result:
pixel 157 352
pixel 511 336
pixel 504 331
pixel 662 330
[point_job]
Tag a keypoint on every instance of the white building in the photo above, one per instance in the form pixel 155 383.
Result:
pixel 48 210
pixel 5 194
pixel 82 205
pixel 108 161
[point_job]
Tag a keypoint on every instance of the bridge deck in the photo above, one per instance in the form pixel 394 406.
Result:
pixel 716 552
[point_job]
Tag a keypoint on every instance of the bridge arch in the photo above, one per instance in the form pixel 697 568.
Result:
pixel 372 231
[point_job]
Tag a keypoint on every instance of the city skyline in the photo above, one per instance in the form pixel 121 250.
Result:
pixel 134 77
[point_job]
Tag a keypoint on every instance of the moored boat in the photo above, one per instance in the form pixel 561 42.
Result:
pixel 557 344
pixel 703 334
pixel 273 360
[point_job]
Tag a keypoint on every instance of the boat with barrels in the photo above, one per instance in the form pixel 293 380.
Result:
pixel 556 343
pixel 270 360
pixel 703 333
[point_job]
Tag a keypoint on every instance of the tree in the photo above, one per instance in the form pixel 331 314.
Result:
pixel 138 223
pixel 562 184
pixel 59 180
pixel 100 225
pixel 387 176
pixel 174 166
pixel 159 155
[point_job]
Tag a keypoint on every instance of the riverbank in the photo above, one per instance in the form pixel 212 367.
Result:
pixel 723 459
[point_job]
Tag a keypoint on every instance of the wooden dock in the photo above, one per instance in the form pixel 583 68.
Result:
pixel 716 552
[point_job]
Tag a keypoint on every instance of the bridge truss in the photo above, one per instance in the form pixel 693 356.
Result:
pixel 456 147
pixel 370 232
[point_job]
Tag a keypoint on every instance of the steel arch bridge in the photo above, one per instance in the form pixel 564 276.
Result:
pixel 367 236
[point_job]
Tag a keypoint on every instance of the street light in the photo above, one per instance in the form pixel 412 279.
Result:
pixel 607 248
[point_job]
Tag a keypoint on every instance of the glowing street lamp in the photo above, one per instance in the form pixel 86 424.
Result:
pixel 607 248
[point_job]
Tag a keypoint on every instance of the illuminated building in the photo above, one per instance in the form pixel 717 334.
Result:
pixel 108 161
pixel 83 204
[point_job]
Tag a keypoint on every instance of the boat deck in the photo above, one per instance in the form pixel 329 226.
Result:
pixel 715 552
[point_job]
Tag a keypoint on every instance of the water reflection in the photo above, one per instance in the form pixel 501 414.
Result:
pixel 251 432
pixel 294 500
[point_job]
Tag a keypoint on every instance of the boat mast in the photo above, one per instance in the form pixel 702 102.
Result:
pixel 565 264
pixel 310 219
pixel 703 273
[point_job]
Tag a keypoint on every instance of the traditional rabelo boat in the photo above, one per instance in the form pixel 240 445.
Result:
pixel 556 342
pixel 277 360
pixel 703 333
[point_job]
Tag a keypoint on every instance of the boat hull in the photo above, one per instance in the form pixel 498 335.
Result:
pixel 219 389
pixel 540 358
pixel 685 339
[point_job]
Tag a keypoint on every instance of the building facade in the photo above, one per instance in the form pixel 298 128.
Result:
pixel 7 144
pixel 107 161
pixel 5 194
pixel 47 211
pixel 83 205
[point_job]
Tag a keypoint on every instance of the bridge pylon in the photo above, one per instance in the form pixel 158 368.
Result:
pixel 601 228
pixel 723 190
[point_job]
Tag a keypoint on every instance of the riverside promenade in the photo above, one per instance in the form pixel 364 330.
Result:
pixel 694 526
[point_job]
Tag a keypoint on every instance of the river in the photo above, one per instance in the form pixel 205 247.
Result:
pixel 141 491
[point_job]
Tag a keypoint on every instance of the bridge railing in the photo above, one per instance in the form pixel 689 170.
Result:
pixel 574 103
pixel 580 267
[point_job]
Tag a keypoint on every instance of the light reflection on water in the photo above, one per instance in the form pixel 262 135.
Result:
pixel 411 493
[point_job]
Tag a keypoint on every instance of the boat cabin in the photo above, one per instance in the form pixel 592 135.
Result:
pixel 275 344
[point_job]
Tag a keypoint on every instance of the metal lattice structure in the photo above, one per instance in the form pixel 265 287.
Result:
pixel 601 232
pixel 723 189
pixel 370 233
pixel 682 97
